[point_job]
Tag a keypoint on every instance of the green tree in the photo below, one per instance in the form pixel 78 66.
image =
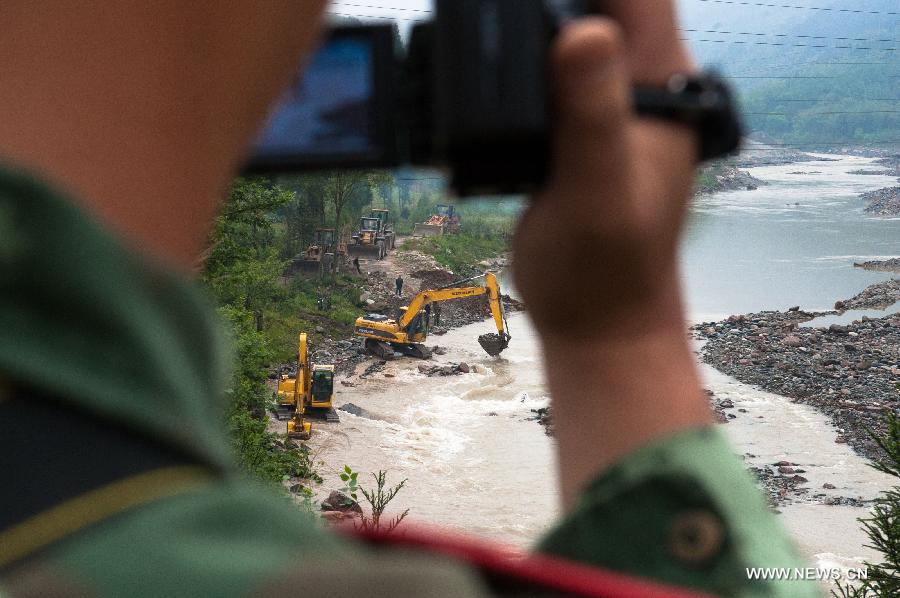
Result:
pixel 883 527
pixel 346 192
pixel 243 265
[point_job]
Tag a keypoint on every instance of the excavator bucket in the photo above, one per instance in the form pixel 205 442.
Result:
pixel 493 343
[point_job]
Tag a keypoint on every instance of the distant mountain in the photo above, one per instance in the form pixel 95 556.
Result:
pixel 814 75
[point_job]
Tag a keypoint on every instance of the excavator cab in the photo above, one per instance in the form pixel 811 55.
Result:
pixel 322 387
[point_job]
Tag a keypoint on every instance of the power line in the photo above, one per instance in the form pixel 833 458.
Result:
pixel 820 113
pixel 760 4
pixel 819 8
pixel 779 77
pixel 851 39
pixel 816 143
pixel 751 43
pixel 381 7
pixel 341 14
pixel 835 99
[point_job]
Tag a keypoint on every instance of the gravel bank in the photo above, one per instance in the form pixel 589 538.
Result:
pixel 883 202
pixel 851 373
pixel 891 265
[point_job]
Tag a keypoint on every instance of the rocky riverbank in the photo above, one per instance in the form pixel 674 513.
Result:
pixel 880 295
pixel 755 154
pixel 891 265
pixel 720 176
pixel 851 373
pixel 883 202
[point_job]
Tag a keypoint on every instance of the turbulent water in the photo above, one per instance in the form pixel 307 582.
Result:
pixel 477 463
pixel 473 458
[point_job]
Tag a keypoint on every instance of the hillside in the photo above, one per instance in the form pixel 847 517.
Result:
pixel 814 75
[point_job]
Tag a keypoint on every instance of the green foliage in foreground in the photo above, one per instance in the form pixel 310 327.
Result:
pixel 242 271
pixel 883 527
pixel 378 498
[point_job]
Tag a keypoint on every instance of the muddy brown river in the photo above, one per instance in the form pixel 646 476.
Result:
pixel 476 461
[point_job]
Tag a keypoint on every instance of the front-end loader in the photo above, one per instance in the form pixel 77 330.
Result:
pixel 368 240
pixel 321 253
pixel 383 335
pixel 386 228
pixel 444 220
pixel 310 392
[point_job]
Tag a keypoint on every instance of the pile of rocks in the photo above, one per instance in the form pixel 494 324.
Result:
pixel 883 202
pixel 864 172
pixel 877 296
pixel 891 265
pixel 754 155
pixel 445 369
pixel 730 178
pixel 781 482
pixel 340 508
pixel 544 417
pixel 852 373
pixel 720 407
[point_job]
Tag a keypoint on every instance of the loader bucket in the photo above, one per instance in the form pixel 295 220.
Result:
pixel 493 343
pixel 428 230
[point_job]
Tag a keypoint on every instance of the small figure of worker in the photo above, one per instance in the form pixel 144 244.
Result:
pixel 399 283
pixel 356 265
pixel 437 314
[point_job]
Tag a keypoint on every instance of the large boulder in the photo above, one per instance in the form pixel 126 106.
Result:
pixel 338 501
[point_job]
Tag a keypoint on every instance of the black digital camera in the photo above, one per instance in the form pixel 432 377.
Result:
pixel 469 95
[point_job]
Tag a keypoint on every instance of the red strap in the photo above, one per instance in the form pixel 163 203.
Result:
pixel 510 565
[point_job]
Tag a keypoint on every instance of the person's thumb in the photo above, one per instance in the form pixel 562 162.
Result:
pixel 592 101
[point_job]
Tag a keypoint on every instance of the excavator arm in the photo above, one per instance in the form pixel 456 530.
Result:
pixel 298 427
pixel 493 344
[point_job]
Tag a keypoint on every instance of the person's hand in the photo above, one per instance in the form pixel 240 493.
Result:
pixel 595 253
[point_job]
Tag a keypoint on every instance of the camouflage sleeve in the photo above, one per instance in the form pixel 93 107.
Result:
pixel 682 510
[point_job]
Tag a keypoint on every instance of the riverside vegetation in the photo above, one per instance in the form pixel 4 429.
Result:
pixel 263 224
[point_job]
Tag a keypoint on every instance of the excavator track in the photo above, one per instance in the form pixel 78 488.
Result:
pixel 329 415
pixel 284 412
pixel 415 350
pixel 379 349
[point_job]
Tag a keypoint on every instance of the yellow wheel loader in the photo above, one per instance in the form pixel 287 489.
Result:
pixel 375 236
pixel 444 220
pixel 320 254
pixel 385 336
pixel 310 392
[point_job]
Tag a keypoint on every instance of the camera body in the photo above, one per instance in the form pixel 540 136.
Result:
pixel 469 95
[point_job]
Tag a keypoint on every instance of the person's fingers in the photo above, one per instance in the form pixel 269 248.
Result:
pixel 593 106
pixel 653 46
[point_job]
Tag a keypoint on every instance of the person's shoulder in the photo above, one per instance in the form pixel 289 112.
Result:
pixel 691 516
pixel 232 538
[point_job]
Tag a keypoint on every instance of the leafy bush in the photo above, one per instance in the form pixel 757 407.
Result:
pixel 378 498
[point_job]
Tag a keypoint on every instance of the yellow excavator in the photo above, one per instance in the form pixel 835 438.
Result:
pixel 309 392
pixel 383 335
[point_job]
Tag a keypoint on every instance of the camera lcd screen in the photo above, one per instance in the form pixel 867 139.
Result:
pixel 332 114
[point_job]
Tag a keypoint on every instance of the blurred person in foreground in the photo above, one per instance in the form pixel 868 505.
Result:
pixel 123 125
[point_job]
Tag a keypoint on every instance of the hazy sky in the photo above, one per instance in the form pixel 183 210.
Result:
pixel 411 9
